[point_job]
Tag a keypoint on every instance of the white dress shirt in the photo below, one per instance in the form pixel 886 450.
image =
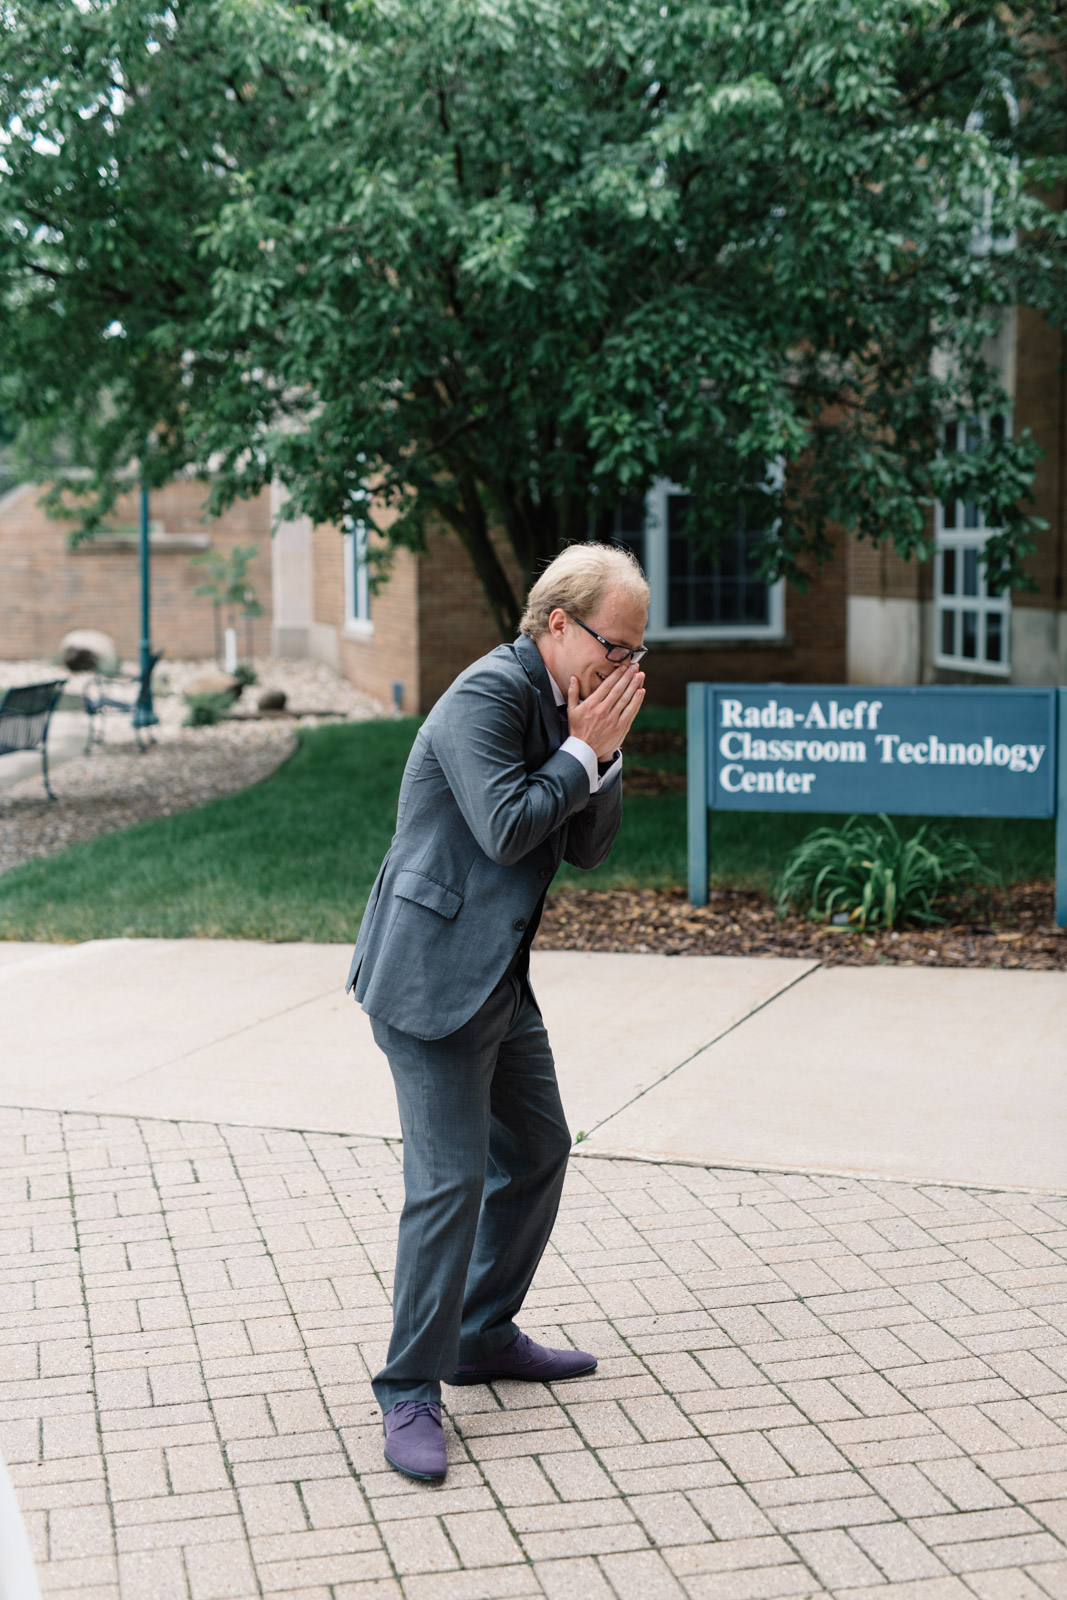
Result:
pixel 585 753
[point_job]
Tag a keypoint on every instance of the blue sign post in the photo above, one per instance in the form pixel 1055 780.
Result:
pixel 916 752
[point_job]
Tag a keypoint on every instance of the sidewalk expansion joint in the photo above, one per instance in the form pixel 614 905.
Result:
pixel 700 1050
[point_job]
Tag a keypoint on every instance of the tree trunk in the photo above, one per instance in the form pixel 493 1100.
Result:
pixel 472 530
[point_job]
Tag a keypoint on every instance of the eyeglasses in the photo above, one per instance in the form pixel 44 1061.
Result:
pixel 616 653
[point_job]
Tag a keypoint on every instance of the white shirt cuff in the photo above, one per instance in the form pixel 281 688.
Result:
pixel 587 756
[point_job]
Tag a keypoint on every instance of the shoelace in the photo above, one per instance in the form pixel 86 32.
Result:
pixel 411 1409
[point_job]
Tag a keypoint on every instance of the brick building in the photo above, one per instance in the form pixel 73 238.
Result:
pixel 867 618
pixel 47 588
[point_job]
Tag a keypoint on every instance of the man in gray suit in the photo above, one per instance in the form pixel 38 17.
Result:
pixel 516 769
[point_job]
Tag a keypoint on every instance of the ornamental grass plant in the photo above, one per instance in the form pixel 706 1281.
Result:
pixel 868 875
pixel 205 710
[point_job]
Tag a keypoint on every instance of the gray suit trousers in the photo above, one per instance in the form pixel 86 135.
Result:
pixel 485 1154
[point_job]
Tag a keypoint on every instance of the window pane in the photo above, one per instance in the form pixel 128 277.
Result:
pixel 691 601
pixel 979 633
pixel 720 589
pixel 731 596
pixel 356 574
pixel 970 634
pixel 677 506
pixel 732 560
pixel 994 636
pixel 948 633
pixel 630 515
pixel 948 572
pixel 757 603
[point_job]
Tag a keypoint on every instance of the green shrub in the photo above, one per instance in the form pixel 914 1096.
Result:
pixel 206 709
pixel 867 872
pixel 246 674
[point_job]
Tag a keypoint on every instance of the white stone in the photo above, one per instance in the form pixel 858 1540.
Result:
pixel 81 643
pixel 212 682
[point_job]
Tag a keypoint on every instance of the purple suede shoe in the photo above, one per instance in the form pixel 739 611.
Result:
pixel 526 1361
pixel 415 1439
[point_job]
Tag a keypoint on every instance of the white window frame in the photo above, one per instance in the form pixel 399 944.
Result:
pixel 656 570
pixel 963 540
pixel 357 623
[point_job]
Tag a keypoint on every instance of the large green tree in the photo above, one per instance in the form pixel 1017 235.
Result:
pixel 508 261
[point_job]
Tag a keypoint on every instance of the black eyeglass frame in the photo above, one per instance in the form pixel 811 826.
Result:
pixel 633 656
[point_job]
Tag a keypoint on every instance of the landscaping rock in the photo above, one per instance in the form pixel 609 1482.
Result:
pixel 87 650
pixel 272 700
pixel 212 682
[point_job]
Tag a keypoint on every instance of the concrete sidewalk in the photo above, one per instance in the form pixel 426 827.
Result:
pixel 912 1073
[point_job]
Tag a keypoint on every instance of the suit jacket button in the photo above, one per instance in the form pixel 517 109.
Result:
pixel 519 924
pixel 542 872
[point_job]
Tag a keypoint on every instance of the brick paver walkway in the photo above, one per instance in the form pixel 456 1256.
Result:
pixel 806 1385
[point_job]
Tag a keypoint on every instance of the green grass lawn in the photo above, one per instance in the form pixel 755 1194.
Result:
pixel 295 857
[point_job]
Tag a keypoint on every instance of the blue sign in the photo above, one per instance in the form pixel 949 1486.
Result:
pixel 922 752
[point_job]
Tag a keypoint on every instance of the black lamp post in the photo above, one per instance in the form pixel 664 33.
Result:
pixel 144 715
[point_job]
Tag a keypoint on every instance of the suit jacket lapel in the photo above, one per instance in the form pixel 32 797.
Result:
pixel 537 672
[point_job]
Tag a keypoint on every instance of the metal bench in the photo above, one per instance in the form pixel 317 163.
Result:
pixel 25 713
pixel 104 693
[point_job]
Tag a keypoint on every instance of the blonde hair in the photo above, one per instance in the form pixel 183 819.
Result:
pixel 578 581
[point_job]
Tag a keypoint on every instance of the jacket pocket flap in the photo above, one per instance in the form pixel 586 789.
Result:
pixel 425 892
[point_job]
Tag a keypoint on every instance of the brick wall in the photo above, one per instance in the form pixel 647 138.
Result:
pixel 1040 405
pixel 456 625
pixel 328 575
pixel 48 588
pixel 884 575
pixel 389 654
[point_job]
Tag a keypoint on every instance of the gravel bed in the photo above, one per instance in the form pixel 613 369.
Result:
pixel 116 785
pixel 310 686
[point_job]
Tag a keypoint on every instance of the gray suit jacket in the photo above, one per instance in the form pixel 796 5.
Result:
pixel 489 807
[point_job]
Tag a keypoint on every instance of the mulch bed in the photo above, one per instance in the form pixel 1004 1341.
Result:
pixel 1013 930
